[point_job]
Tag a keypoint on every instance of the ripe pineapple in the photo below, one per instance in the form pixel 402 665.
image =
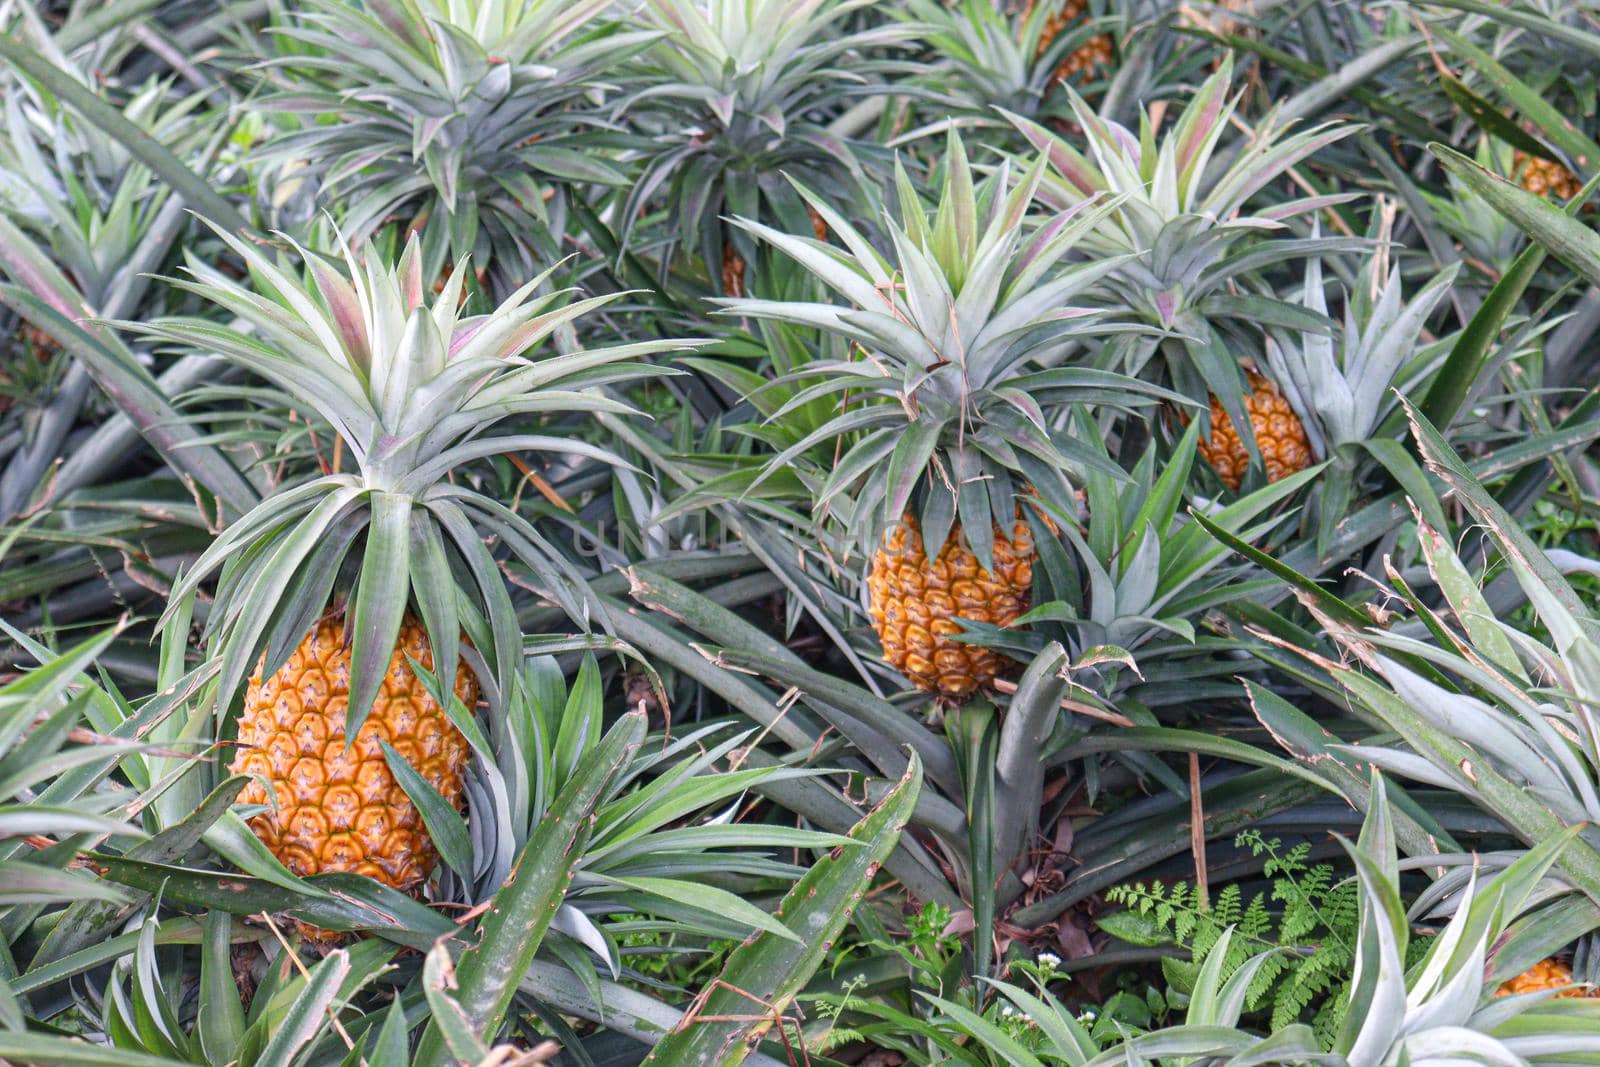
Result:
pixel 339 808
pixel 414 392
pixel 942 389
pixel 1086 59
pixel 914 603
pixel 1544 177
pixel 1279 433
pixel 1546 974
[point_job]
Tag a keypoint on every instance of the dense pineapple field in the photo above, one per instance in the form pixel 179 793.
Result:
pixel 990 533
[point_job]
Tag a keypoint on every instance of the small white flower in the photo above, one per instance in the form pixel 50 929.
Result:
pixel 1007 1011
pixel 1048 959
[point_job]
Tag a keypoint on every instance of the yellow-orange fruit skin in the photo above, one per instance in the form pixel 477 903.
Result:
pixel 1546 974
pixel 1083 61
pixel 914 601
pixel 1280 435
pixel 1544 177
pixel 732 270
pixel 338 810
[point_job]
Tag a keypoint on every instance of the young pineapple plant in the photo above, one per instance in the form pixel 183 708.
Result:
pixel 1195 256
pixel 948 405
pixel 1393 1014
pixel 333 586
pixel 470 122
pixel 1485 235
pixel 1126 583
pixel 735 95
pixel 1341 390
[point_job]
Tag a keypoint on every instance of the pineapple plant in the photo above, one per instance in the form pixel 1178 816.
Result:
pixel 468 122
pixel 948 408
pixel 996 57
pixel 333 588
pixel 1189 246
pixel 734 95
pixel 1394 1014
pixel 107 222
pixel 976 495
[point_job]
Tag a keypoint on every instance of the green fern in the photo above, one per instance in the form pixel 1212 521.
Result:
pixel 1307 913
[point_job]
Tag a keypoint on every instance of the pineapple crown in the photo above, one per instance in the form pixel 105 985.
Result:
pixel 1181 223
pixel 450 111
pixel 731 96
pixel 1166 181
pixel 992 58
pixel 1342 387
pixel 949 403
pixel 107 218
pixel 1179 217
pixel 414 394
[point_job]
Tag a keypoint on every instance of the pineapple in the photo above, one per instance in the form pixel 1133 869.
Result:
pixel 914 602
pixel 1544 177
pixel 1278 431
pixel 334 807
pixel 1546 974
pixel 1087 58
pixel 947 418
pixel 401 544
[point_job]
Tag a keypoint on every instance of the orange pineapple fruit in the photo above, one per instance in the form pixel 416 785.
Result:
pixel 1546 974
pixel 914 601
pixel 1279 433
pixel 1078 66
pixel 1544 177
pixel 338 810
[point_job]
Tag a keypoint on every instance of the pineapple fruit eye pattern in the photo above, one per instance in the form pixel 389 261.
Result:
pixel 1279 435
pixel 915 602
pixel 762 533
pixel 336 806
